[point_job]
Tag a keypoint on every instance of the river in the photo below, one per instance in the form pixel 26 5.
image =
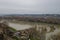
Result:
pixel 19 26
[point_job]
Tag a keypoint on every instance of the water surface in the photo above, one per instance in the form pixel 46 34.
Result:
pixel 19 26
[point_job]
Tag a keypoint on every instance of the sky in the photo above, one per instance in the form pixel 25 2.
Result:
pixel 29 6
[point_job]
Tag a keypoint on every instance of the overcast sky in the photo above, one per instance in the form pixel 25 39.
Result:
pixel 29 6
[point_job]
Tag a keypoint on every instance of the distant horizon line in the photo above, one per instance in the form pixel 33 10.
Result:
pixel 27 14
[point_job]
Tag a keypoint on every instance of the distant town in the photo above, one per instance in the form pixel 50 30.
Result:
pixel 30 27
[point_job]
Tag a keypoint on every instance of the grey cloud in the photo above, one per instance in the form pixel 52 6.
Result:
pixel 29 6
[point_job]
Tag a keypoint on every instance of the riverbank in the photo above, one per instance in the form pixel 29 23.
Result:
pixel 48 35
pixel 41 28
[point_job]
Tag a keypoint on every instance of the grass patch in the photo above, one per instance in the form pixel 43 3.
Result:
pixel 12 29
